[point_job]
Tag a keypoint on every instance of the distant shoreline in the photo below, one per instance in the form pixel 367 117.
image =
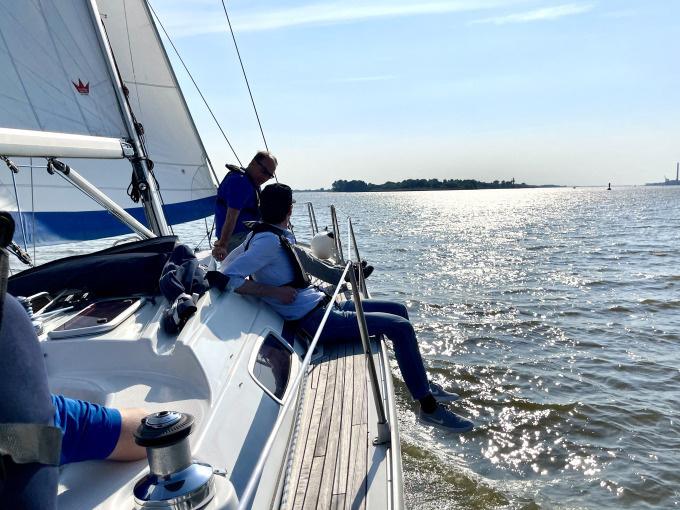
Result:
pixel 323 190
pixel 359 186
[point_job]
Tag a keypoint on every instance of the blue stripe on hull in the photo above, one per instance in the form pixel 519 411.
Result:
pixel 63 227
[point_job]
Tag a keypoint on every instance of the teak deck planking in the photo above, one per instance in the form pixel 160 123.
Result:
pixel 331 464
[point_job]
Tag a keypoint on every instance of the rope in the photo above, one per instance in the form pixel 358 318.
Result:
pixel 30 162
pixel 209 230
pixel 12 170
pixel 208 235
pixel 244 75
pixel 205 102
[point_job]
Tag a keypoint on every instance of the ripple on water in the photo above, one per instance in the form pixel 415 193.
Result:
pixel 554 313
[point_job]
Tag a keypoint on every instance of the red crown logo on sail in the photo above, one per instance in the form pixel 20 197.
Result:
pixel 82 88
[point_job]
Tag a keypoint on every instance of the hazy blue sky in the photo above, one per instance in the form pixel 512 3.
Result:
pixel 542 91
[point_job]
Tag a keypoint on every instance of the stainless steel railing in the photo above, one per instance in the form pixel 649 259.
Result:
pixel 312 219
pixel 353 239
pixel 384 433
pixel 249 491
pixel 383 425
pixel 336 232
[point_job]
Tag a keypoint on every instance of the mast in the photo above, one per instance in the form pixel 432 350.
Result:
pixel 149 191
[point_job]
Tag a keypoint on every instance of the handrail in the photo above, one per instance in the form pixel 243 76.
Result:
pixel 312 219
pixel 362 280
pixel 336 235
pixel 249 491
pixel 383 425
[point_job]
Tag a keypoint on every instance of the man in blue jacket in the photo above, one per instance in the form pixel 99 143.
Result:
pixel 238 201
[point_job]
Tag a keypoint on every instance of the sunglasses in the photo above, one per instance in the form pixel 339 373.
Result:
pixel 264 169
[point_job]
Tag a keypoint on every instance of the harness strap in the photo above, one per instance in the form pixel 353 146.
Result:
pixel 28 443
pixel 297 323
pixel 301 279
pixel 255 211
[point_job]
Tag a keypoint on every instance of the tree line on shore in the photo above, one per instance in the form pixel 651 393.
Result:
pixel 425 184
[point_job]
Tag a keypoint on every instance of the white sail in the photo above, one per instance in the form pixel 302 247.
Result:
pixel 171 139
pixel 56 77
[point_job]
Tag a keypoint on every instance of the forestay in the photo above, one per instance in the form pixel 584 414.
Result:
pixel 56 77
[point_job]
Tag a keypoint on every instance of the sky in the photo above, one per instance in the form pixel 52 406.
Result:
pixel 545 92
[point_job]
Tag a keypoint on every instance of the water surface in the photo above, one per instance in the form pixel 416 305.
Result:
pixel 554 313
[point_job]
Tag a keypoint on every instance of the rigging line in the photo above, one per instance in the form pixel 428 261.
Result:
pixel 21 216
pixel 205 102
pixel 209 230
pixel 30 162
pixel 12 169
pixel 252 100
pixel 144 157
pixel 208 236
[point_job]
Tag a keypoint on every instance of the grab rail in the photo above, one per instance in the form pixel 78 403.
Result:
pixel 249 491
pixel 362 280
pixel 336 235
pixel 312 219
pixel 384 433
pixel 383 425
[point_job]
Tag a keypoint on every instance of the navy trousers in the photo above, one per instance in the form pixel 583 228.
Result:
pixel 382 318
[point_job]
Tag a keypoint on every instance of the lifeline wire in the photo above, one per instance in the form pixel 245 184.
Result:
pixel 244 76
pixel 205 102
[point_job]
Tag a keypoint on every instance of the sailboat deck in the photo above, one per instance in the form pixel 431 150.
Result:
pixel 335 464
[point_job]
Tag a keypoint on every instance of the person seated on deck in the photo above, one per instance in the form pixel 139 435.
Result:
pixel 94 432
pixel 28 473
pixel 238 202
pixel 277 277
pixel 90 431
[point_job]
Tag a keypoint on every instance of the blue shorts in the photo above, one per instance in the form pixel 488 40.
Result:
pixel 90 431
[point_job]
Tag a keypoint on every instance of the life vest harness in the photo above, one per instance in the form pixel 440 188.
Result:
pixel 22 443
pixel 27 443
pixel 253 211
pixel 301 279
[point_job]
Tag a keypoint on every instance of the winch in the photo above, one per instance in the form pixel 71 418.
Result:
pixel 174 481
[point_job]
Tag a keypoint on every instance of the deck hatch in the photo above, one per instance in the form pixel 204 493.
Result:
pixel 97 317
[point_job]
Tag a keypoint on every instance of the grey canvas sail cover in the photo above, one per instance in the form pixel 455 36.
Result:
pixel 56 77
